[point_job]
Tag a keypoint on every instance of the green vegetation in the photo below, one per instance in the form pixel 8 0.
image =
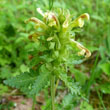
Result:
pixel 30 57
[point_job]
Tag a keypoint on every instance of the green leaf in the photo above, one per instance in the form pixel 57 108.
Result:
pixel 47 106
pixel 105 88
pixel 23 81
pixel 51 45
pixel 96 17
pixel 5 72
pixel 24 68
pixel 68 101
pixel 79 76
pixel 102 52
pixel 3 89
pixel 85 106
pixel 41 80
pixel 69 82
pixel 106 68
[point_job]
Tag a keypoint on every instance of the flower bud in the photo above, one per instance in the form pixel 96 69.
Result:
pixel 34 37
pixel 38 22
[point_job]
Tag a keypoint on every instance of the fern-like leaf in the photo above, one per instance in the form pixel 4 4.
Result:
pixel 72 86
pixel 23 81
pixel 40 82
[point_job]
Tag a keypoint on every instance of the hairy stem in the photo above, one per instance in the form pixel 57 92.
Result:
pixel 53 92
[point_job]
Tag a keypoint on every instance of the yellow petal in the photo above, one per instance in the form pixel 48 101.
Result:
pixel 80 22
pixel 82 52
pixel 66 22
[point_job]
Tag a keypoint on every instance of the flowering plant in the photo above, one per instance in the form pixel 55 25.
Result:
pixel 54 52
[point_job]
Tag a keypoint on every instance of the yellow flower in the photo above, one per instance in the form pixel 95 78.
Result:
pixel 79 22
pixel 84 50
pixel 37 22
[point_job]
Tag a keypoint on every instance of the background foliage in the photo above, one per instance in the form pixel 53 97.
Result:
pixel 93 75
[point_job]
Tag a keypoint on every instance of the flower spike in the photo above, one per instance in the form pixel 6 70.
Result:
pixel 60 23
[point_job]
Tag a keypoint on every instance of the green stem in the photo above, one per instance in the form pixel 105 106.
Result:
pixel 53 92
pixel 101 101
pixel 34 102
